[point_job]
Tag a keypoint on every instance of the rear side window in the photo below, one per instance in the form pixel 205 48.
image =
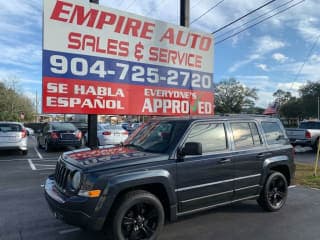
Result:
pixel 273 133
pixel 10 127
pixel 212 136
pixel 310 125
pixel 245 135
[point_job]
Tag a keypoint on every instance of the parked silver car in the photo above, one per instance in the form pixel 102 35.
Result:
pixel 109 134
pixel 13 135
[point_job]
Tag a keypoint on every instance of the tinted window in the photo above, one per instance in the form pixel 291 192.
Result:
pixel 10 127
pixel 63 126
pixel 273 132
pixel 310 125
pixel 212 136
pixel 245 135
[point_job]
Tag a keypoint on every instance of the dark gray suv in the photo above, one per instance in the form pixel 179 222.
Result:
pixel 169 168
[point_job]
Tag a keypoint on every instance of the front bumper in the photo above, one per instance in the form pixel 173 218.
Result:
pixel 74 210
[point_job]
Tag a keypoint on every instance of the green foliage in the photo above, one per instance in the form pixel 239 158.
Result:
pixel 12 104
pixel 233 97
pixel 304 107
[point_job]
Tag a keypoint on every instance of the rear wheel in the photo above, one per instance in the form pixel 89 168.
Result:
pixel 24 152
pixel 47 146
pixel 274 193
pixel 315 146
pixel 139 215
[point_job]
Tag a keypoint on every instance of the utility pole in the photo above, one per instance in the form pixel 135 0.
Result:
pixel 92 119
pixel 184 13
pixel 318 107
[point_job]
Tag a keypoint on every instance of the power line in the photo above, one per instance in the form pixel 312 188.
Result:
pixel 305 61
pixel 232 35
pixel 196 4
pixel 130 5
pixel 252 20
pixel 238 19
pixel 209 11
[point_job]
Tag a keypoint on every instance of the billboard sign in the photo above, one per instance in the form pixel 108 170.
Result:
pixel 98 60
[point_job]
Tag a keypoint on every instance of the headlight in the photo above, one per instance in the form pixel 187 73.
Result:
pixel 76 180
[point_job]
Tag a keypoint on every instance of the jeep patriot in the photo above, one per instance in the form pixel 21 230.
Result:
pixel 170 167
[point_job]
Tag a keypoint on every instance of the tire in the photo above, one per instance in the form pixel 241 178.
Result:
pixel 24 152
pixel 274 193
pixel 47 146
pixel 315 146
pixel 139 215
pixel 38 143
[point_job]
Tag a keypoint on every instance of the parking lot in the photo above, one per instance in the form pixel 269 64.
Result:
pixel 25 214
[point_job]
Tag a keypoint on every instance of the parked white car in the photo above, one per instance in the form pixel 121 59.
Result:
pixel 30 131
pixel 109 134
pixel 13 135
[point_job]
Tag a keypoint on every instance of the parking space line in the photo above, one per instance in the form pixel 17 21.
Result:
pixel 33 167
pixel 69 230
pixel 44 165
pixel 39 155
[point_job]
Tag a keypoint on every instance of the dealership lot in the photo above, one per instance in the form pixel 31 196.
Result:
pixel 25 214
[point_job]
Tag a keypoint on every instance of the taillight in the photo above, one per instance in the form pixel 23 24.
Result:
pixel 107 133
pixel 54 135
pixel 79 134
pixel 308 134
pixel 125 133
pixel 23 133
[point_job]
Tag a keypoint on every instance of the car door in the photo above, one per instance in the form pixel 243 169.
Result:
pixel 205 180
pixel 249 155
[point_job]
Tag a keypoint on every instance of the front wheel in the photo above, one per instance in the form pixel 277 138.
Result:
pixel 274 193
pixel 139 215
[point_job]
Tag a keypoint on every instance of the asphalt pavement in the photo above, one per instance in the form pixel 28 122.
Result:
pixel 24 213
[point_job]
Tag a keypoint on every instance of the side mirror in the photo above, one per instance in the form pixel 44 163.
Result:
pixel 191 148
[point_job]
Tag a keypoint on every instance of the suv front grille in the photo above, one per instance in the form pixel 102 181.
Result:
pixel 61 175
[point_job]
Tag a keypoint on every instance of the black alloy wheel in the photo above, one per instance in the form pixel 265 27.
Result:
pixel 274 193
pixel 140 216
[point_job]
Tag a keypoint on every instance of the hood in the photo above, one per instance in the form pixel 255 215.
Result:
pixel 112 157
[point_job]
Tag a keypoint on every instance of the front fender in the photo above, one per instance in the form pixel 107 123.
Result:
pixel 119 183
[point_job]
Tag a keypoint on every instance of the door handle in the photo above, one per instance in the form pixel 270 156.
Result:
pixel 263 155
pixel 224 160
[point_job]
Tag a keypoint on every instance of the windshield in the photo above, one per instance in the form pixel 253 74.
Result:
pixel 63 126
pixel 155 136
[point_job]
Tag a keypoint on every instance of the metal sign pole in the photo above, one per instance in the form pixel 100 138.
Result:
pixel 92 119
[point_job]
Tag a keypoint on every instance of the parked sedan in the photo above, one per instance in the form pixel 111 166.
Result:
pixel 13 135
pixel 59 134
pixel 110 134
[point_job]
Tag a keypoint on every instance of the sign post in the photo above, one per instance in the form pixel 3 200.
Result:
pixel 92 120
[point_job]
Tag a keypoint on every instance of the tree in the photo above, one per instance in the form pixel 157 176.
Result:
pixel 13 103
pixel 309 95
pixel 281 96
pixel 233 97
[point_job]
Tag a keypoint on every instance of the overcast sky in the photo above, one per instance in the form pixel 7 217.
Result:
pixel 280 53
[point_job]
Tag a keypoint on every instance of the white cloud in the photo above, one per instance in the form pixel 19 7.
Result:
pixel 263 45
pixel 263 67
pixel 279 57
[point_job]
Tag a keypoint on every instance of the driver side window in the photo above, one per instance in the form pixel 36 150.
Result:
pixel 212 136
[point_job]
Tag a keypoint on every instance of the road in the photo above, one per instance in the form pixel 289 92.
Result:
pixel 24 213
